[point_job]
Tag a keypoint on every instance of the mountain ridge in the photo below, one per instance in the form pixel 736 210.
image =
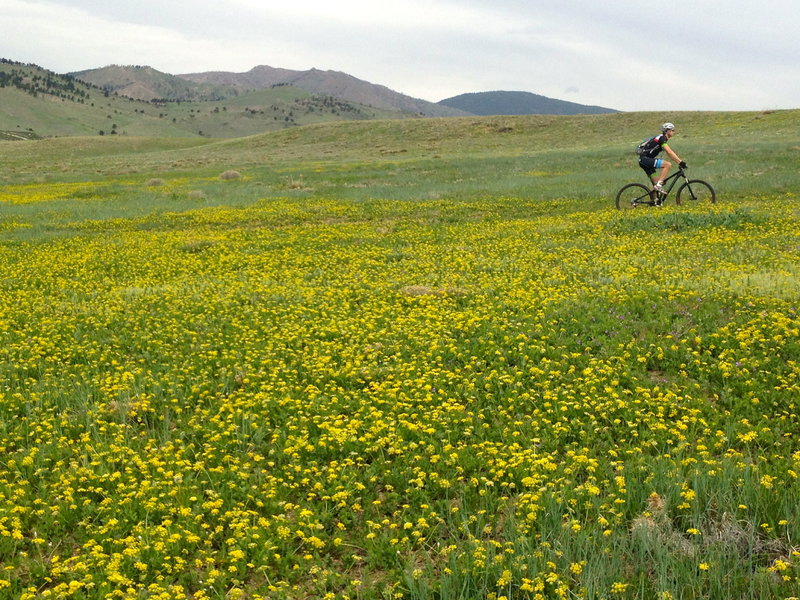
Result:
pixel 149 84
pixel 142 83
pixel 326 82
pixel 519 103
pixel 146 83
pixel 140 100
pixel 36 102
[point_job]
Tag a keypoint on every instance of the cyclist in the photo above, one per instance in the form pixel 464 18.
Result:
pixel 651 149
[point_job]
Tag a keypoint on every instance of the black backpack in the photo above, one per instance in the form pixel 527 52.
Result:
pixel 647 145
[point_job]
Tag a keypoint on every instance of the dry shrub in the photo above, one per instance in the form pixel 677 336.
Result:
pixel 654 529
pixel 155 182
pixel 230 175
pixel 196 195
pixel 296 184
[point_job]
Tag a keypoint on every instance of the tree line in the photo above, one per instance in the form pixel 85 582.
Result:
pixel 62 86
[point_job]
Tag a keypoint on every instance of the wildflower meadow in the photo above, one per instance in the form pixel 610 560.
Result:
pixel 291 388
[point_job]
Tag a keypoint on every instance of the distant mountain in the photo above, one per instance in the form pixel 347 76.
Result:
pixel 141 101
pixel 148 84
pixel 35 102
pixel 518 103
pixel 256 78
pixel 328 83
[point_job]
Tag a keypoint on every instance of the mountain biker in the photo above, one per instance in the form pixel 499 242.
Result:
pixel 651 149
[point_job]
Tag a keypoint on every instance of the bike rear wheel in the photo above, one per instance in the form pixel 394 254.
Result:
pixel 694 192
pixel 632 195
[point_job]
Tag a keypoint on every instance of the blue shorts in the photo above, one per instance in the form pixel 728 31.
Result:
pixel 650 164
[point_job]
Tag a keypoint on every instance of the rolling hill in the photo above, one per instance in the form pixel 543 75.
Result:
pixel 518 103
pixel 329 83
pixel 146 83
pixel 35 102
pixel 141 101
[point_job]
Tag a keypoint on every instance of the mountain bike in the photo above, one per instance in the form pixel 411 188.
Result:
pixel 691 192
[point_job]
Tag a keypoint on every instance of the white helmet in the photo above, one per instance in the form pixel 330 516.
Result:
pixel 666 126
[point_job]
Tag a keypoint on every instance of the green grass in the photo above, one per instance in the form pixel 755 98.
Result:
pixel 419 359
pixel 566 156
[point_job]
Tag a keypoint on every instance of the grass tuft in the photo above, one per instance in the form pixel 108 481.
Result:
pixel 230 175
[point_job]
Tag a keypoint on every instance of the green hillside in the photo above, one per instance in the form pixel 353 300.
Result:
pixel 518 103
pixel 40 103
pixel 583 155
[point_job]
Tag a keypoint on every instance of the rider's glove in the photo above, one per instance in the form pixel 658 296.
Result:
pixel 682 165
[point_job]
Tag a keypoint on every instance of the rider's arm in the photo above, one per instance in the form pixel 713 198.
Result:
pixel 672 154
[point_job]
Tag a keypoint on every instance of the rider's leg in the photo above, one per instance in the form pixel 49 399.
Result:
pixel 665 167
pixel 649 166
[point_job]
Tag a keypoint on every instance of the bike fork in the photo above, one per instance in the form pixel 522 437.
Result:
pixel 689 187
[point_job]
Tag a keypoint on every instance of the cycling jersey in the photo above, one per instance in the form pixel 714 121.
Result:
pixel 654 147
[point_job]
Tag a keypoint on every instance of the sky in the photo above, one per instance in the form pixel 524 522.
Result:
pixel 630 55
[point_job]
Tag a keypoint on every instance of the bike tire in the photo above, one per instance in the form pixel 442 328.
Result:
pixel 695 192
pixel 628 196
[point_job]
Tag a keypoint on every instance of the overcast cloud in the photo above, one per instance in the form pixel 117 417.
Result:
pixel 628 54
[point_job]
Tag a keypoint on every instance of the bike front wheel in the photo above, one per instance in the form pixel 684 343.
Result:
pixel 632 195
pixel 695 191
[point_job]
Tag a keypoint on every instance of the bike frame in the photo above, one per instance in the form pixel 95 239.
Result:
pixel 665 191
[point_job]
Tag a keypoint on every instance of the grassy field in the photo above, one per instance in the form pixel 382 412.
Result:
pixel 420 359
